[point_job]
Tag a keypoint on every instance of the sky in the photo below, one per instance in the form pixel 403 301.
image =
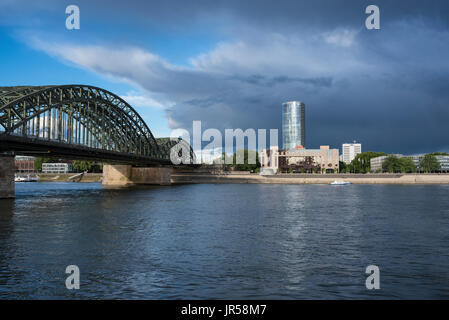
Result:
pixel 231 64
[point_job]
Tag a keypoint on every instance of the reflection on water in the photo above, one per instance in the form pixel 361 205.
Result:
pixel 225 241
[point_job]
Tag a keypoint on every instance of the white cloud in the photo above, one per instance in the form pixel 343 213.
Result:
pixel 131 63
pixel 138 100
pixel 341 37
pixel 208 156
pixel 173 123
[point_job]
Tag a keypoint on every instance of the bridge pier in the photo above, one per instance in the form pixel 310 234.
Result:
pixel 7 170
pixel 127 175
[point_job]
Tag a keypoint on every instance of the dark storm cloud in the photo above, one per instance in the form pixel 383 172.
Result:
pixel 257 13
pixel 261 80
pixel 386 88
pixel 268 12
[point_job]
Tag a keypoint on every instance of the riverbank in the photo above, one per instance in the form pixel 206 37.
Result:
pixel 245 177
pixel 191 177
pixel 64 177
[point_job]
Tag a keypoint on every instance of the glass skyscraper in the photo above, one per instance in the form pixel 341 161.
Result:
pixel 293 125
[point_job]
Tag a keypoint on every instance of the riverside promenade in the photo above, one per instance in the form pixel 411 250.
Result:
pixel 237 177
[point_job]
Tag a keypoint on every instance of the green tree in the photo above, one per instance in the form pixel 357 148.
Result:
pixel 361 162
pixel 407 165
pixel 430 163
pixel 394 164
pixel 439 154
pixel 350 168
pixel 82 166
pixel 90 166
pixel 391 164
pixel 245 166
pixel 39 161
pixel 343 167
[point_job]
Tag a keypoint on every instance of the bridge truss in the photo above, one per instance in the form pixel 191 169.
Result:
pixel 76 120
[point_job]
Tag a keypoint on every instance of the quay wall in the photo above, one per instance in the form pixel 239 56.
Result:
pixel 126 175
pixel 7 168
pixel 178 178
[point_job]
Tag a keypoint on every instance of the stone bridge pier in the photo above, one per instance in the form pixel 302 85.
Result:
pixel 7 170
pixel 127 175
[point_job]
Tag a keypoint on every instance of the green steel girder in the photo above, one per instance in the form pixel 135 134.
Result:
pixel 92 116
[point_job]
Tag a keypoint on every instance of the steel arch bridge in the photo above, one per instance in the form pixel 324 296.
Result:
pixel 77 121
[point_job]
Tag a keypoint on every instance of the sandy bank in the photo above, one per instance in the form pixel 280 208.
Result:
pixel 178 178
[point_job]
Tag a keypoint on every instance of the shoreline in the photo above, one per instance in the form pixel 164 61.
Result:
pixel 64 177
pixel 183 178
pixel 252 178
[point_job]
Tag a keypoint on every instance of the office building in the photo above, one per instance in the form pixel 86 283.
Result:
pixel 444 163
pixel 350 150
pixel 57 167
pixel 293 125
pixel 442 160
pixel 377 163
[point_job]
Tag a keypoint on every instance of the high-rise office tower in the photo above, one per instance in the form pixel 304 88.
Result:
pixel 293 125
pixel 350 150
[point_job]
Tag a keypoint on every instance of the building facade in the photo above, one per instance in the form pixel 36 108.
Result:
pixel 444 163
pixel 293 125
pixel 349 151
pixel 300 160
pixel 24 164
pixel 57 168
pixel 269 161
pixel 442 160
pixel 377 163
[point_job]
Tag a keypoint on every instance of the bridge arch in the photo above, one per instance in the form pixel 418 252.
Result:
pixel 77 114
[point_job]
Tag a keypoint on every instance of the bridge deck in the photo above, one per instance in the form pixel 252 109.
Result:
pixel 33 146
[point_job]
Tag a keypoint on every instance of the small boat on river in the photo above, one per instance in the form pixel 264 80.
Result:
pixel 340 183
pixel 26 178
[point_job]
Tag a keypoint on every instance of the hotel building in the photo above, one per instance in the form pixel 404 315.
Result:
pixel 300 160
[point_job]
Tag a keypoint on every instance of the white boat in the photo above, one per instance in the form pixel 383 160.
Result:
pixel 33 178
pixel 339 183
pixel 19 179
pixel 27 178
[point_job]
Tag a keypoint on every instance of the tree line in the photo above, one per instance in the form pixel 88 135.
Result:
pixel 392 164
pixel 233 162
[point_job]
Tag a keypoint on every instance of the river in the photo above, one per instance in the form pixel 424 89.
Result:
pixel 228 241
